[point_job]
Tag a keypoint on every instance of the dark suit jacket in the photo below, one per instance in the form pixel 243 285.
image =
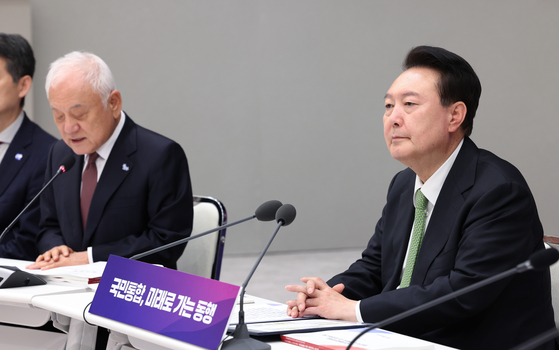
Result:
pixel 22 172
pixel 485 221
pixel 143 200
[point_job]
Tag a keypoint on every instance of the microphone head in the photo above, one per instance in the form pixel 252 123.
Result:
pixel 267 211
pixel 540 260
pixel 286 214
pixel 67 163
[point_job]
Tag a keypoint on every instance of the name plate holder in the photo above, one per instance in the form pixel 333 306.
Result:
pixel 172 303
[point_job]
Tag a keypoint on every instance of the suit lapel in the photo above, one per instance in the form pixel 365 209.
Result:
pixel 16 154
pixel 460 178
pixel 116 169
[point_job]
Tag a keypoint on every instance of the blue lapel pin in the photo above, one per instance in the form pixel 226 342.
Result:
pixel 125 167
pixel 19 156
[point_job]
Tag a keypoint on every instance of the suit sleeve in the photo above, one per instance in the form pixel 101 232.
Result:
pixel 169 211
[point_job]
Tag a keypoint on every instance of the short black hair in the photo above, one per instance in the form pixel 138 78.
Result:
pixel 458 80
pixel 19 57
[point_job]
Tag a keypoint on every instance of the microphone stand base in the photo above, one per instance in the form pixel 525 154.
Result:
pixel 242 341
pixel 11 277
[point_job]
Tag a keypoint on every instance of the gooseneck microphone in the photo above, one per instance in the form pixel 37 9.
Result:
pixel 265 212
pixel 11 276
pixel 67 164
pixel 539 260
pixel 241 339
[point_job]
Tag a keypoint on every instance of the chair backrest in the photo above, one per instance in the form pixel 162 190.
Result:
pixel 553 242
pixel 202 256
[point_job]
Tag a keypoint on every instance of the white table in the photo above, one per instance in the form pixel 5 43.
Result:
pixel 73 305
pixel 17 308
pixel 16 304
pixel 34 306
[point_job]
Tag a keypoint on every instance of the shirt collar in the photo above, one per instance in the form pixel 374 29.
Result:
pixel 432 187
pixel 8 134
pixel 105 150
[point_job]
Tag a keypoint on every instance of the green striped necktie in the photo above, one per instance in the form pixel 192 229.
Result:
pixel 417 237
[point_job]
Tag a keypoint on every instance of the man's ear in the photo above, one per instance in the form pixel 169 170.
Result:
pixel 457 115
pixel 24 85
pixel 115 103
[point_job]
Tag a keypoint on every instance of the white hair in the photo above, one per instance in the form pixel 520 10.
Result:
pixel 90 67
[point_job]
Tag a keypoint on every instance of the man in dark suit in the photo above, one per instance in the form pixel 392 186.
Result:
pixel 130 188
pixel 23 150
pixel 474 218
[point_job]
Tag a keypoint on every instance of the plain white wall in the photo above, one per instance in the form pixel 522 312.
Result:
pixel 284 99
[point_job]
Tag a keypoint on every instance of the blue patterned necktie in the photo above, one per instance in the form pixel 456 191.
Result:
pixel 417 237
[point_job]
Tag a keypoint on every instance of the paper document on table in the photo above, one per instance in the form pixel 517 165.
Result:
pixel 300 325
pixel 268 318
pixel 79 274
pixel 261 312
pixel 85 275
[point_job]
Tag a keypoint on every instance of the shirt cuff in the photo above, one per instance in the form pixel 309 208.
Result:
pixel 358 312
pixel 90 254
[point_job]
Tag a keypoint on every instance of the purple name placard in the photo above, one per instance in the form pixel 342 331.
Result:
pixel 175 304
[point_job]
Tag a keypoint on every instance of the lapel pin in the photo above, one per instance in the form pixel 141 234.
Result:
pixel 19 156
pixel 125 167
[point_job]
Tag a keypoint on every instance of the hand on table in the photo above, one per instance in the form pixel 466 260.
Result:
pixel 318 298
pixel 59 256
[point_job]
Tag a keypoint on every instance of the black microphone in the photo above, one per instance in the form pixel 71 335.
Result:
pixel 265 212
pixel 11 276
pixel 539 260
pixel 241 339
pixel 286 214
